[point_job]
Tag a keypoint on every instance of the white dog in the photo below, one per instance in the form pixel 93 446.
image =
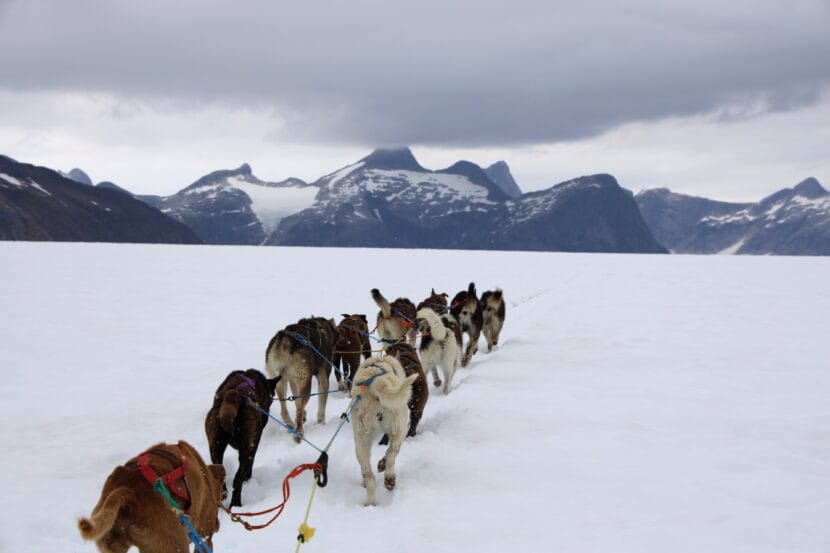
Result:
pixel 384 391
pixel 439 345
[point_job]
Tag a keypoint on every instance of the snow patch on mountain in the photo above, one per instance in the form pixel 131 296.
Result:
pixel 272 203
pixel 337 176
pixel 23 184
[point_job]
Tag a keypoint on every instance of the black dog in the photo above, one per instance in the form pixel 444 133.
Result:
pixel 233 420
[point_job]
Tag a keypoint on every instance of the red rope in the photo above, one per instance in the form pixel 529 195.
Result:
pixel 286 493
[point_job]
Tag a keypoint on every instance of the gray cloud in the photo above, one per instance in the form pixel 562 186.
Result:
pixel 433 73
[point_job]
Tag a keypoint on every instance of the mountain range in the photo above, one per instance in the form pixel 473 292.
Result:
pixel 37 203
pixel 792 221
pixel 387 199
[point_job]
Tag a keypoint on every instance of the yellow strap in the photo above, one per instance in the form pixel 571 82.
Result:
pixel 306 532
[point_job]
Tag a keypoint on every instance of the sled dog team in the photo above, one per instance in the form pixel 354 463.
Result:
pixel 392 389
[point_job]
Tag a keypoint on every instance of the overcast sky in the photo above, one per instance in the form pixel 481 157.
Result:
pixel 723 99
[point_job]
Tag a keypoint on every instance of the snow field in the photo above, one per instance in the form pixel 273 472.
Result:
pixel 637 403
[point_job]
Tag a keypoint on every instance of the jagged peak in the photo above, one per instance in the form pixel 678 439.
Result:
pixel 499 173
pixel 222 174
pixel 660 191
pixel 79 176
pixel 810 188
pixel 392 158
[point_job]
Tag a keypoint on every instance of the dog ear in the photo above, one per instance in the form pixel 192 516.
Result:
pixel 472 289
pixel 345 315
pixel 433 292
pixel 445 294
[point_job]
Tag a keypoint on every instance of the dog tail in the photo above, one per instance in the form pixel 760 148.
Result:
pixel 229 410
pixel 392 394
pixel 382 302
pixel 104 518
pixel 436 326
pixel 471 290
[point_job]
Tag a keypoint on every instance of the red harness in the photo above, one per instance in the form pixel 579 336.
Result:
pixel 169 478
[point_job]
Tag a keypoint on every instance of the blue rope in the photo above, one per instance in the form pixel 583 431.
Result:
pixel 194 536
pixel 199 542
pixel 305 342
pixel 291 430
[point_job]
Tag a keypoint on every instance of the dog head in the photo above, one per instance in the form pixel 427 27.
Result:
pixel 436 301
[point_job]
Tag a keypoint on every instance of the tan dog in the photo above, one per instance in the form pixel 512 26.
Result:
pixel 131 513
pixel 296 354
pixel 395 320
pixel 494 311
pixel 384 392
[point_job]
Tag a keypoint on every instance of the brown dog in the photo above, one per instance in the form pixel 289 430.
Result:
pixel 131 513
pixel 437 302
pixel 411 364
pixel 353 341
pixel 395 320
pixel 467 310
pixel 494 310
pixel 296 354
pixel 233 420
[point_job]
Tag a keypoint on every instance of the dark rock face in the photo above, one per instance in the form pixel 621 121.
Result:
pixel 673 217
pixel 500 174
pixel 373 203
pixel 793 221
pixel 233 206
pixel 113 186
pixel 37 203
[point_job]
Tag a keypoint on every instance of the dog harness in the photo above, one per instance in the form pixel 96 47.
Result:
pixel 246 387
pixel 169 478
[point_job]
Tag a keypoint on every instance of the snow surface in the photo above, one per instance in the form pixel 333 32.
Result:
pixel 637 403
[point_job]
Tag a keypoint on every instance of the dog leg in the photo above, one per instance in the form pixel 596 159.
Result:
pixel 301 403
pixel 472 347
pixel 488 336
pixel 433 368
pixel 323 388
pixel 363 450
pixel 414 419
pixel 389 478
pixel 448 366
pixel 217 448
pixel 281 389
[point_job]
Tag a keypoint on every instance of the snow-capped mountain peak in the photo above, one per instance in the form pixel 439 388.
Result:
pixel 233 206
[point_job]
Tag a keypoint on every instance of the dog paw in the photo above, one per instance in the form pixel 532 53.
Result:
pixel 411 433
pixel 465 361
pixel 297 439
pixel 437 382
pixel 389 482
pixel 236 501
pixel 382 464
